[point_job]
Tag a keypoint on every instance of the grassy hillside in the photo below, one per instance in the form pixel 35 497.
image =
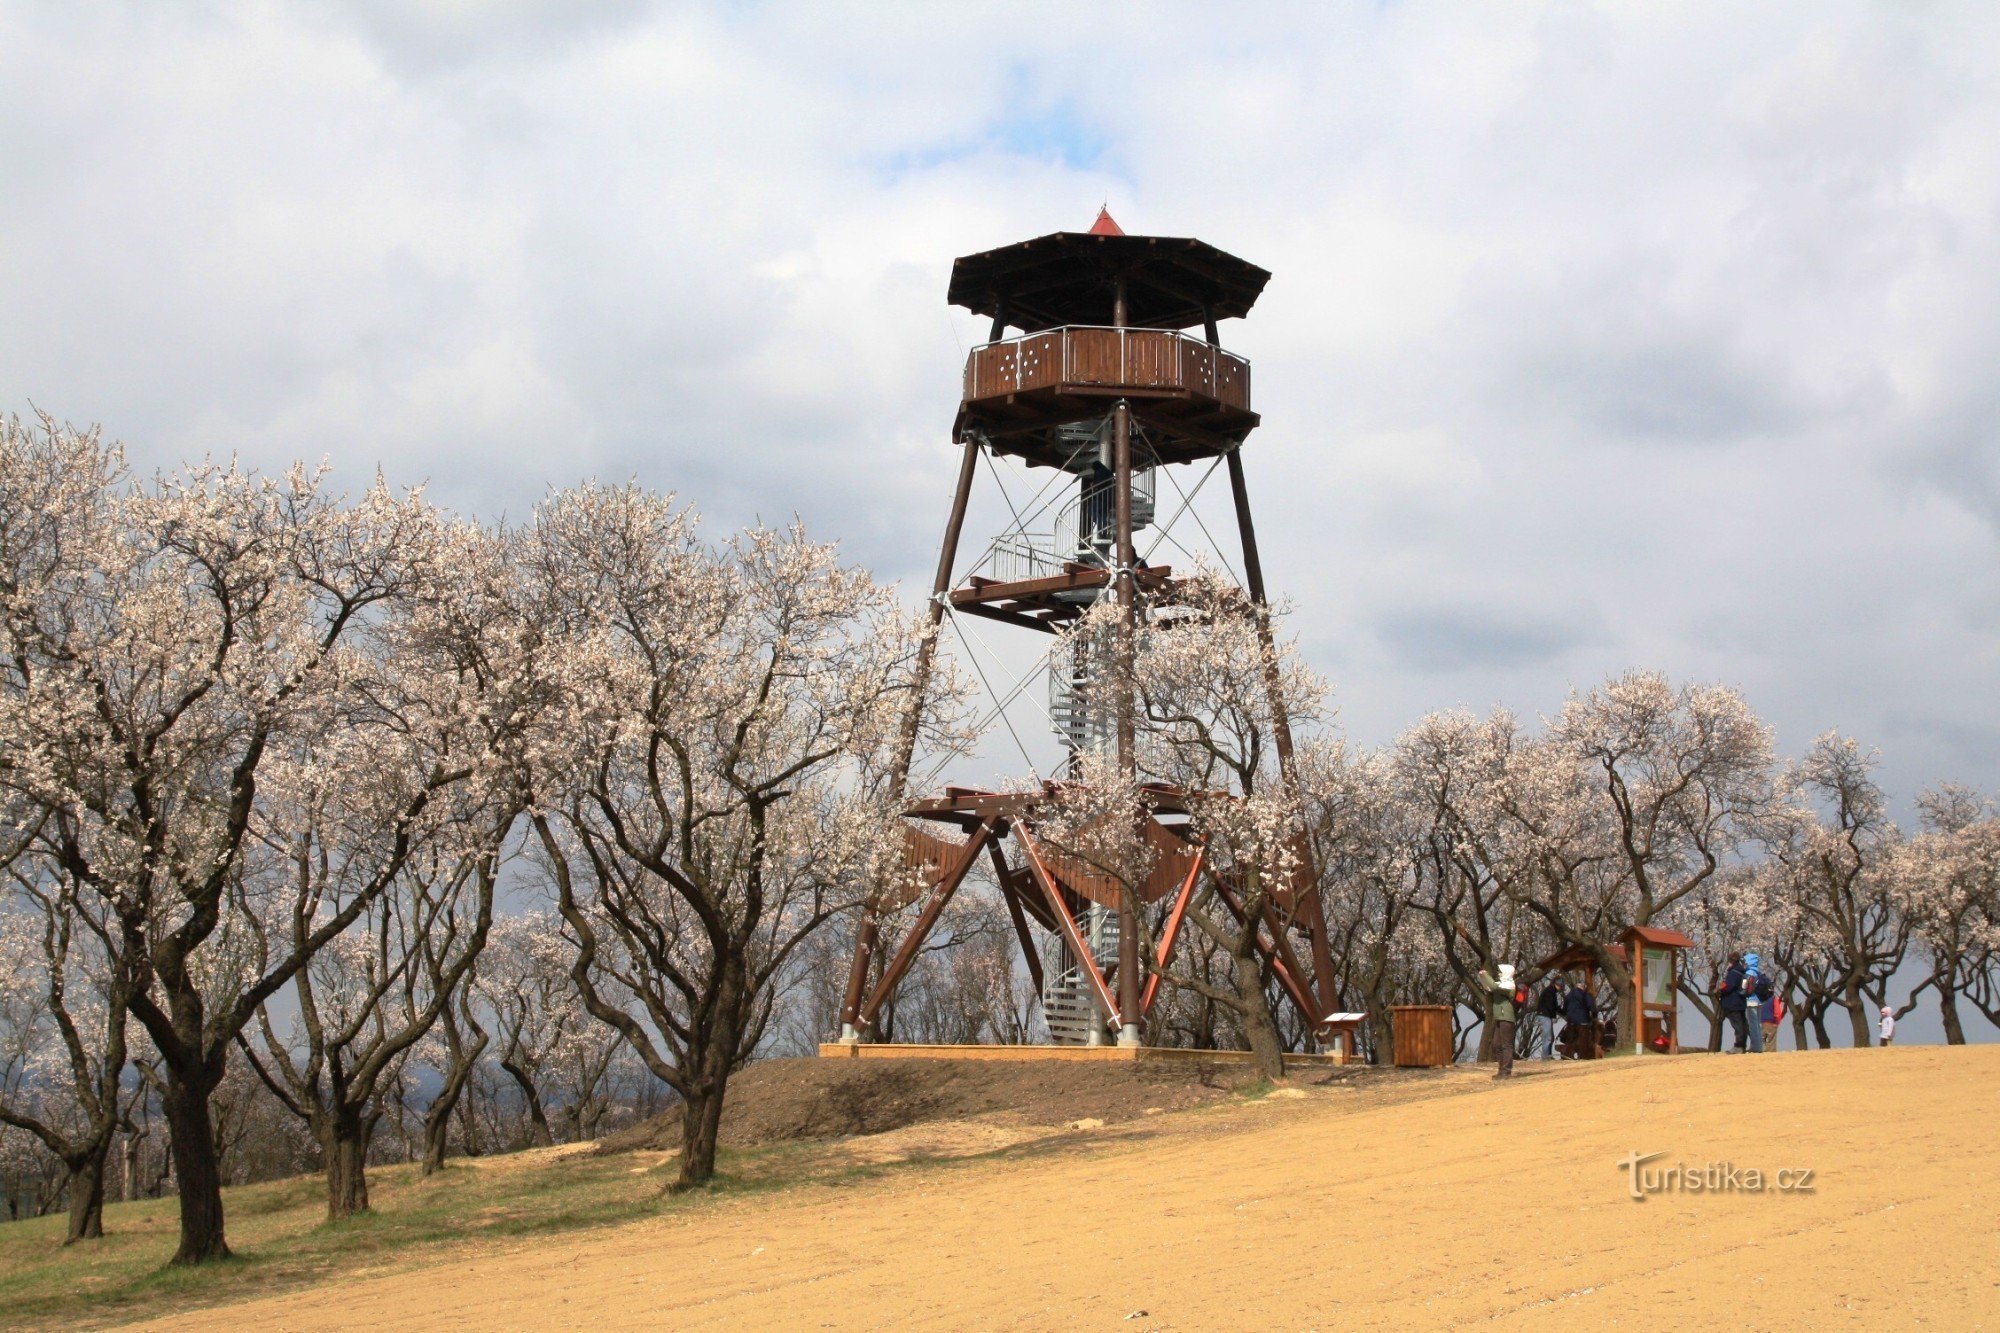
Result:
pixel 780 1111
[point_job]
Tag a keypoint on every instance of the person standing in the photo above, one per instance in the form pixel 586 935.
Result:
pixel 1888 1025
pixel 1772 1013
pixel 1580 1023
pixel 1548 1007
pixel 1755 989
pixel 1501 1010
pixel 1732 1003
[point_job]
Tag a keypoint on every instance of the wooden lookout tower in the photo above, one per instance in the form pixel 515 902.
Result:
pixel 1104 364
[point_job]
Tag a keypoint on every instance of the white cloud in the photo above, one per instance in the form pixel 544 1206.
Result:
pixel 1598 335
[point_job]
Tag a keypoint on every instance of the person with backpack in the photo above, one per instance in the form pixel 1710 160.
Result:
pixel 1580 1023
pixel 1733 1004
pixel 1503 1005
pixel 1548 1008
pixel 1772 1012
pixel 1756 990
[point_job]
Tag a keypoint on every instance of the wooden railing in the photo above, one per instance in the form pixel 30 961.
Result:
pixel 1102 358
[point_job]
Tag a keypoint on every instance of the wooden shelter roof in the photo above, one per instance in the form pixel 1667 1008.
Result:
pixel 1577 956
pixel 1066 278
pixel 1654 935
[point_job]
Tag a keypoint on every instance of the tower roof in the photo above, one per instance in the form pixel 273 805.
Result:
pixel 1067 277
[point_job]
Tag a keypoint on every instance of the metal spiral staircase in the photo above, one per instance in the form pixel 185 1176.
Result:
pixel 1084 535
pixel 1068 1008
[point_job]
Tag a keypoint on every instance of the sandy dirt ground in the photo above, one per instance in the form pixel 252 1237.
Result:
pixel 1478 1203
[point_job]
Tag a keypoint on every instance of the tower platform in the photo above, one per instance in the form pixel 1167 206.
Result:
pixel 861 1050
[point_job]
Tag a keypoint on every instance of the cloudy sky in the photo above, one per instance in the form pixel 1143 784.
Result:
pixel 1600 335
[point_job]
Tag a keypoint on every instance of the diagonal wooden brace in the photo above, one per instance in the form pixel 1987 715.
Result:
pixel 1010 894
pixel 1286 979
pixel 1071 932
pixel 906 954
pixel 1172 932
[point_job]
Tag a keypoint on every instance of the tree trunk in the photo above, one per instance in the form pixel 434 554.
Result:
pixel 539 1135
pixel 129 1177
pixel 468 1126
pixel 1857 1017
pixel 1954 1031
pixel 437 1138
pixel 344 1139
pixel 437 1120
pixel 86 1195
pixel 197 1169
pixel 1819 1029
pixel 1380 1035
pixel 701 1123
pixel 1799 1029
pixel 1258 1028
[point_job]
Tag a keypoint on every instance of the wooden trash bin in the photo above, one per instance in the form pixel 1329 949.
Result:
pixel 1421 1035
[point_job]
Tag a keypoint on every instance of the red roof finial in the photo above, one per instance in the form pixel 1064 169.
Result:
pixel 1105 225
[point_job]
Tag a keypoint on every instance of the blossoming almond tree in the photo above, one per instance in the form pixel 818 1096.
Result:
pixel 1682 777
pixel 557 1055
pixel 1948 878
pixel 63 1031
pixel 373 991
pixel 1474 849
pixel 329 832
pixel 1835 852
pixel 717 811
pixel 1211 695
pixel 1366 848
pixel 170 639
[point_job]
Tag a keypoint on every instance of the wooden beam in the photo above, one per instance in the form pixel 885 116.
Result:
pixel 1081 948
pixel 1011 893
pixel 1292 986
pixel 1013 618
pixel 947 885
pixel 1172 932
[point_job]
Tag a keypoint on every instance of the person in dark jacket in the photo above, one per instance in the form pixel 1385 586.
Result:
pixel 1547 1010
pixel 1580 1023
pixel 1733 1002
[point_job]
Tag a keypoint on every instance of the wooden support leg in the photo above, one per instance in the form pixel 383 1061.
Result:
pixel 1014 910
pixel 1310 912
pixel 906 953
pixel 1282 944
pixel 851 1022
pixel 857 975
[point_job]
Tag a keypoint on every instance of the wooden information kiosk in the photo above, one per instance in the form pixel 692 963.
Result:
pixel 1654 957
pixel 1648 1009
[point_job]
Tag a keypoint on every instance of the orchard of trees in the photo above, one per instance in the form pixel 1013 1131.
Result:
pixel 343 831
